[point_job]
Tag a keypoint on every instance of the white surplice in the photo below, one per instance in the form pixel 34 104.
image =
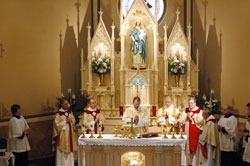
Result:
pixel 228 140
pixel 16 129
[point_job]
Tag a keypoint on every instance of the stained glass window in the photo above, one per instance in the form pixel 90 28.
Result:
pixel 161 7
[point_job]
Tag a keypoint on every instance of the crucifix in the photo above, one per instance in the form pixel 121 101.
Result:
pixel 138 87
pixel 132 125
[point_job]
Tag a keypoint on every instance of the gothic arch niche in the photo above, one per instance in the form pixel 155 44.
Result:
pixel 179 44
pixel 103 49
pixel 138 88
pixel 149 43
pixel 133 159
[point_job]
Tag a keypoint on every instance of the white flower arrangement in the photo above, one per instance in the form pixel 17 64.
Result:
pixel 100 63
pixel 210 102
pixel 176 64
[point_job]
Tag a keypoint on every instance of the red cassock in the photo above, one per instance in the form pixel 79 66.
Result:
pixel 194 131
pixel 70 129
pixel 94 114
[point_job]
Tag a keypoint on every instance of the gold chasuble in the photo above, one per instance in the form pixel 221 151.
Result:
pixel 143 113
pixel 89 117
pixel 63 133
pixel 210 146
pixel 172 118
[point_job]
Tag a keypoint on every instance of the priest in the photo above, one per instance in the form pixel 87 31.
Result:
pixel 18 143
pixel 168 115
pixel 193 123
pixel 139 115
pixel 228 134
pixel 64 136
pixel 209 141
pixel 92 117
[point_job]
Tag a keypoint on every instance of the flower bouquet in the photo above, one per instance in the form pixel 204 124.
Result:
pixel 210 102
pixel 177 66
pixel 100 65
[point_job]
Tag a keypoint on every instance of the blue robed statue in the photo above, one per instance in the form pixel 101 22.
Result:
pixel 138 44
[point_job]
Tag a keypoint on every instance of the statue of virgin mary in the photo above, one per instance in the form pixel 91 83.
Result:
pixel 138 37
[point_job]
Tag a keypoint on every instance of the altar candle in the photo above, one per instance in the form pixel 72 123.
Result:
pixel 154 110
pixel 121 110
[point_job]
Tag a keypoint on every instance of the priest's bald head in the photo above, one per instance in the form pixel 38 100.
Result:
pixel 206 113
pixel 226 109
pixel 92 103
pixel 64 103
pixel 168 101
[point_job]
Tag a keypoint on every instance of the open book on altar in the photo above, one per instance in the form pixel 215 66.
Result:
pixel 150 134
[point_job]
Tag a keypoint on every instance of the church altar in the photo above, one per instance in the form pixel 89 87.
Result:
pixel 115 151
pixel 138 68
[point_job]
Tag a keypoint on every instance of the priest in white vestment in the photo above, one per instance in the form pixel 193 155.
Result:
pixel 228 134
pixel 18 130
pixel 209 141
pixel 92 117
pixel 64 136
pixel 193 122
pixel 138 114
pixel 168 115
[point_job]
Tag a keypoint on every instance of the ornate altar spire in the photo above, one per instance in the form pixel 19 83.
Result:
pixel 60 36
pixel 67 22
pixel 100 13
pixel 78 4
pixel 177 13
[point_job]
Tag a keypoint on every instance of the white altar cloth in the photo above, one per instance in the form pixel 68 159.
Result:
pixel 109 140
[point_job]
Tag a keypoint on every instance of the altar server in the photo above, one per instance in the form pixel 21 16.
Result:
pixel 246 153
pixel 228 134
pixel 139 115
pixel 209 141
pixel 193 124
pixel 64 136
pixel 168 115
pixel 92 117
pixel 18 142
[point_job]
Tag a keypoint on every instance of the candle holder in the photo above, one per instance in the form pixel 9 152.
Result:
pixel 92 135
pixel 100 131
pixel 92 131
pixel 116 128
pixel 100 135
pixel 181 137
pixel 122 132
pixel 173 136
pixel 83 132
pixel 165 132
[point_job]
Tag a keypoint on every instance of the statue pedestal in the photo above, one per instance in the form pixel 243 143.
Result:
pixel 101 92
pixel 101 89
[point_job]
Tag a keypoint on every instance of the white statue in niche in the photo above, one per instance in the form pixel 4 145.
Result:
pixel 138 44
